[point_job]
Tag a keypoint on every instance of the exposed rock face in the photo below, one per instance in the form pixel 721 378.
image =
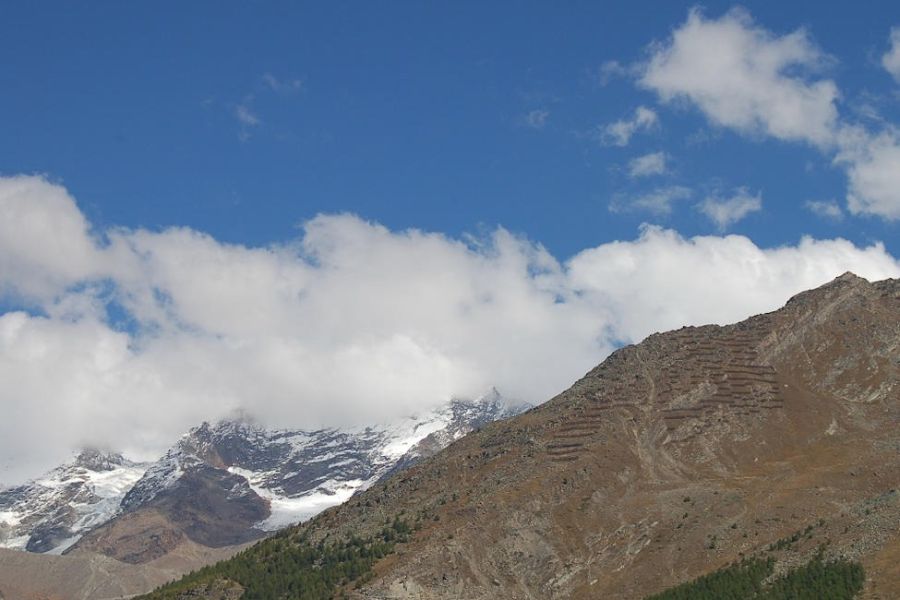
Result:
pixel 672 458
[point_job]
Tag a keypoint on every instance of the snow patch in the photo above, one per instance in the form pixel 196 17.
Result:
pixel 10 518
pixel 286 511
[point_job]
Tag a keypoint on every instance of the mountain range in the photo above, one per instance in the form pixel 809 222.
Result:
pixel 763 454
pixel 757 456
pixel 219 487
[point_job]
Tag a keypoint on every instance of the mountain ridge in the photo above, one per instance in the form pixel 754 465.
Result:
pixel 194 505
pixel 772 437
pixel 224 483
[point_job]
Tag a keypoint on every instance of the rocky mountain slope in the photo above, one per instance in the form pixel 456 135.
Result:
pixel 774 438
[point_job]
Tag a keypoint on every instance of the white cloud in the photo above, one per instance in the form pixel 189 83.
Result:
pixel 619 133
pixel 536 119
pixel 725 212
pixel 746 78
pixel 45 243
pixel 662 279
pixel 350 321
pixel 658 202
pixel 647 165
pixel 891 59
pixel 753 81
pixel 872 163
pixel 828 209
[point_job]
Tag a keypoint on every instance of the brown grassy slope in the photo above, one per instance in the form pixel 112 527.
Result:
pixel 672 458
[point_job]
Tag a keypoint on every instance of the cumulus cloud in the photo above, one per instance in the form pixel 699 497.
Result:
pixel 746 78
pixel 891 59
pixel 350 322
pixel 647 165
pixel 725 212
pixel 658 202
pixel 45 244
pixel 619 133
pixel 872 162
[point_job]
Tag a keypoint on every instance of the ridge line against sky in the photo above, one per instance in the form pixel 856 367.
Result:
pixel 319 237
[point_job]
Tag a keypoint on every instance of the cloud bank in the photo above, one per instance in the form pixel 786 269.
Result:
pixel 125 338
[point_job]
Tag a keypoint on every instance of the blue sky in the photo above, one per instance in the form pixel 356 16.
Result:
pixel 341 213
pixel 409 114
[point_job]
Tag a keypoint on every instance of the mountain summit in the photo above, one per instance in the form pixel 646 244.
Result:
pixel 51 513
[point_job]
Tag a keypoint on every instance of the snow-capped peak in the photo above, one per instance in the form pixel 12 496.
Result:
pixel 50 513
pixel 298 473
pixel 302 472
